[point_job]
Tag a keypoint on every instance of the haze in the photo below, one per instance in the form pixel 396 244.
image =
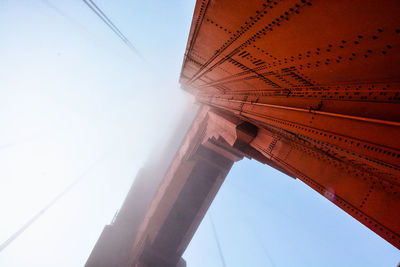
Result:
pixel 73 95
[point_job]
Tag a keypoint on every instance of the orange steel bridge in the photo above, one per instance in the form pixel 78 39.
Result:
pixel 308 87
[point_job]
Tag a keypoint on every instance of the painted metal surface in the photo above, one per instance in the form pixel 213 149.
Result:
pixel 320 79
pixel 310 88
pixel 164 208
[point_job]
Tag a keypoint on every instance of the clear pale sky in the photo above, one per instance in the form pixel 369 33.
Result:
pixel 71 93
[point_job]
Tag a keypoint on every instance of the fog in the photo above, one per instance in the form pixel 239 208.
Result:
pixel 77 104
pixel 72 94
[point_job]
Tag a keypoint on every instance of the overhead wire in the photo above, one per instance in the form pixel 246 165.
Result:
pixel 111 25
pixel 267 254
pixel 261 243
pixel 221 255
pixel 50 204
pixel 88 34
pixel 129 44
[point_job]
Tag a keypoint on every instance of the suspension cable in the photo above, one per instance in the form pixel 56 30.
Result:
pixel 221 255
pixel 111 25
pixel 50 204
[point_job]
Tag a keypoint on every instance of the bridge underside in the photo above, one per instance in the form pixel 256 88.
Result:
pixel 310 88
